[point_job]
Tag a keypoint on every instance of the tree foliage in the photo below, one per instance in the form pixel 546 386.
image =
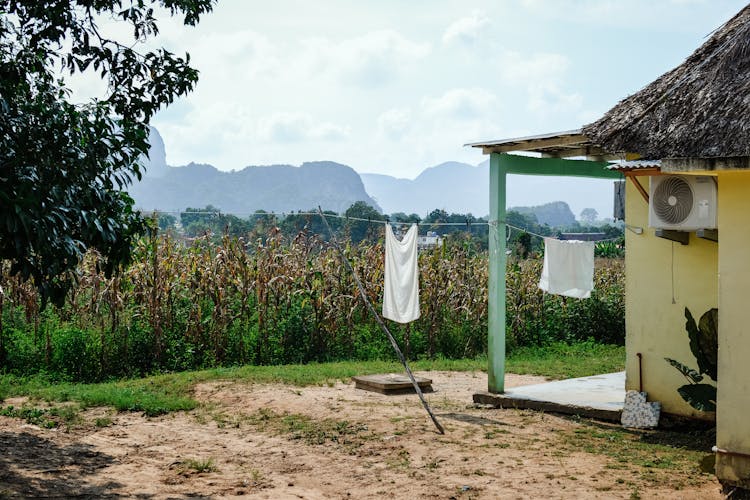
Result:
pixel 64 167
pixel 363 229
pixel 589 215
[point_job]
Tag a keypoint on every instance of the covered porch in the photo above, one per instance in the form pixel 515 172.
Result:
pixel 553 153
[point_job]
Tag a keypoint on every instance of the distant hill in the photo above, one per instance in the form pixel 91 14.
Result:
pixel 157 160
pixel 463 188
pixel 451 186
pixel 277 188
pixel 555 214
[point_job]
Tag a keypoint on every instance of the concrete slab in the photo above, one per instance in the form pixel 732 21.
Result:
pixel 598 396
pixel 391 383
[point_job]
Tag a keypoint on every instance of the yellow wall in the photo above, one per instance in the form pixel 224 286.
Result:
pixel 733 405
pixel 662 278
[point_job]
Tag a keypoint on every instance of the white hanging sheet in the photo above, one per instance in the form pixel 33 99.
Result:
pixel 568 268
pixel 401 292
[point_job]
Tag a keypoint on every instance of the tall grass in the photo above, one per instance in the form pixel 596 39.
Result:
pixel 208 303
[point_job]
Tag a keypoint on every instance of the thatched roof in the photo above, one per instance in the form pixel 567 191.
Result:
pixel 700 109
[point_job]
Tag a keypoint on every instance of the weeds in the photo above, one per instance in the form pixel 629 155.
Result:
pixel 34 416
pixel 199 466
pixel 103 422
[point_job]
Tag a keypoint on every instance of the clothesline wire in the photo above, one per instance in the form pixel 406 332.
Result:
pixel 492 223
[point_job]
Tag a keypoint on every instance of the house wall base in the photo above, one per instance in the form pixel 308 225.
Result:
pixel 733 471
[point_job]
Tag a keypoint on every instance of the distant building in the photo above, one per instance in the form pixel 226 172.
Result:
pixel 429 241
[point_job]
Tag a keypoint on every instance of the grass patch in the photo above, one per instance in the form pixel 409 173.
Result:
pixel 197 465
pixel 103 422
pixel 166 393
pixel 561 361
pixel 677 454
pixel 309 430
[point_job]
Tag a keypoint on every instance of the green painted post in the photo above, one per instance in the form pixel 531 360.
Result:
pixel 501 165
pixel 496 295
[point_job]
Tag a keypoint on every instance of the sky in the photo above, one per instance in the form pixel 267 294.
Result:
pixel 394 86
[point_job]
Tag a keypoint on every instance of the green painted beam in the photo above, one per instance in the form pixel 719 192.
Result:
pixel 529 165
pixel 496 307
pixel 500 166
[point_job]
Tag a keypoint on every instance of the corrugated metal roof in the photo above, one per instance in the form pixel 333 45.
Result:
pixel 635 165
pixel 529 138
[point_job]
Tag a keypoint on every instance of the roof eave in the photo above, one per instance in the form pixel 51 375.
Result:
pixel 567 144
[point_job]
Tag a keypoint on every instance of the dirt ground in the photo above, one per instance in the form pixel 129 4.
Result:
pixel 277 441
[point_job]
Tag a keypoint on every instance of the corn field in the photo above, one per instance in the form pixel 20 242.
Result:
pixel 211 302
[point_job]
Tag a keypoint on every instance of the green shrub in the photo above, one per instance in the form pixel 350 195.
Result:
pixel 75 354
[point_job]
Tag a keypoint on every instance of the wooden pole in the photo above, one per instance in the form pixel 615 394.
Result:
pixel 380 322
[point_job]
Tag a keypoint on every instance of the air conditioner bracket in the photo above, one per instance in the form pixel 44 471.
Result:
pixel 679 236
pixel 708 234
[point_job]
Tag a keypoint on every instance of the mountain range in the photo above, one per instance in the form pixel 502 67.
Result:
pixel 274 188
pixel 452 186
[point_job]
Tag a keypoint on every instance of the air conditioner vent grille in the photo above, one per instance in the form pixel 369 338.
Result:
pixel 673 200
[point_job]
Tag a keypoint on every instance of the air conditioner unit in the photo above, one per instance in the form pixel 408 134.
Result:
pixel 682 202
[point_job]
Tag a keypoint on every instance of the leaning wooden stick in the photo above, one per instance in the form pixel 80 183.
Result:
pixel 380 322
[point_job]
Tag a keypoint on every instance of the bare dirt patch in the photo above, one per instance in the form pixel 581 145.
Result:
pixel 279 441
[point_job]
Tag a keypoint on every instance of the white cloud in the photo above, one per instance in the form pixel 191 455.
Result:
pixel 542 77
pixel 670 16
pixel 327 131
pixel 410 85
pixel 466 29
pixel 519 68
pixel 394 123
pixel 435 130
pixel 240 55
pixel 370 60
pixel 547 98
pixel 285 127
pixel 461 103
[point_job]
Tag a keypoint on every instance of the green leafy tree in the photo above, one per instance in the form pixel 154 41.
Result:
pixel 64 167
pixel 589 215
pixel 293 224
pixel 166 221
pixel 206 217
pixel 437 215
pixel 402 217
pixel 199 221
pixel 360 230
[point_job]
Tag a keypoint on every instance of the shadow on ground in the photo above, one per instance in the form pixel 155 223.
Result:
pixel 694 436
pixel 471 419
pixel 33 466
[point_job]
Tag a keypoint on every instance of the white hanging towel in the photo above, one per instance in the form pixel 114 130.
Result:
pixel 401 292
pixel 568 268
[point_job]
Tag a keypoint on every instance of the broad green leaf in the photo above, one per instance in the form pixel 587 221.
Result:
pixel 704 340
pixel 692 375
pixel 700 396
